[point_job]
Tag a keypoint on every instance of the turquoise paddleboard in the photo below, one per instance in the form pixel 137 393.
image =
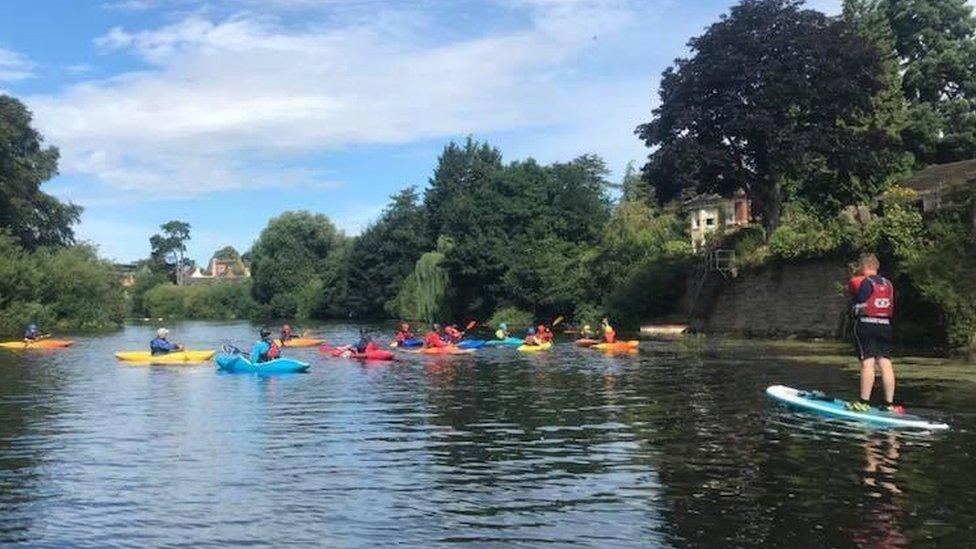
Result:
pixel 815 401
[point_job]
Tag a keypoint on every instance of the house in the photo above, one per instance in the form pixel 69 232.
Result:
pixel 220 270
pixel 935 183
pixel 707 213
pixel 126 273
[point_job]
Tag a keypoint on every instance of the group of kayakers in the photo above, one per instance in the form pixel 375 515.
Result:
pixel 441 335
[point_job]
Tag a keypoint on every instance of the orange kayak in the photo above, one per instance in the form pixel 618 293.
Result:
pixel 449 350
pixel 40 344
pixel 303 342
pixel 617 346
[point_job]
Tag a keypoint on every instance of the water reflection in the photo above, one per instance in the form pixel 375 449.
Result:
pixel 884 500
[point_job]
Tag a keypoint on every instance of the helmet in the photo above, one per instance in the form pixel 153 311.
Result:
pixel 531 330
pixel 503 325
pixel 587 328
pixel 541 328
pixel 265 333
pixel 437 327
pixel 162 332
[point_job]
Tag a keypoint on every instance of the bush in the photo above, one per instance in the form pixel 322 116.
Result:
pixel 220 301
pixel 513 316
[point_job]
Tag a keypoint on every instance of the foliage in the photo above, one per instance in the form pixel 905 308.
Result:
pixel 772 102
pixel 145 279
pixel 425 291
pixel 292 251
pixel 385 254
pixel 59 288
pixel 513 317
pixel 218 301
pixel 168 250
pixel 31 216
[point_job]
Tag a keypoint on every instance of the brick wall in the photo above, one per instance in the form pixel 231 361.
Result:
pixel 775 301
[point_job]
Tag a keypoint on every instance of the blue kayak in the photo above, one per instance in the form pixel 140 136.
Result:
pixel 238 364
pixel 471 344
pixel 410 343
pixel 815 401
pixel 513 341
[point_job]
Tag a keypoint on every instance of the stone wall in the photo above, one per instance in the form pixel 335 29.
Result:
pixel 805 300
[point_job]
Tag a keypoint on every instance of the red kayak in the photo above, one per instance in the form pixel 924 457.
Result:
pixel 586 342
pixel 340 352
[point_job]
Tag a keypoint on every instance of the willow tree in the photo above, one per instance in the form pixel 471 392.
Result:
pixel 424 293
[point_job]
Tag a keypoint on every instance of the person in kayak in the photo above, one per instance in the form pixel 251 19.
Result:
pixel 543 334
pixel 403 334
pixel 609 334
pixel 286 333
pixel 433 337
pixel 532 338
pixel 31 333
pixel 453 334
pixel 874 305
pixel 264 349
pixel 162 345
pixel 587 332
pixel 502 331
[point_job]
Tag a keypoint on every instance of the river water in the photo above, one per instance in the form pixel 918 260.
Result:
pixel 676 446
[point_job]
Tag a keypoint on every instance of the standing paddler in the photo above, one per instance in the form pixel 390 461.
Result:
pixel 874 305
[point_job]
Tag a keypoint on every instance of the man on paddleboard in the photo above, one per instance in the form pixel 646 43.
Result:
pixel 874 305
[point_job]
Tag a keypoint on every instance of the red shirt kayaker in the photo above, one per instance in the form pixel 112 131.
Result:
pixel 433 337
pixel 532 338
pixel 403 333
pixel 543 334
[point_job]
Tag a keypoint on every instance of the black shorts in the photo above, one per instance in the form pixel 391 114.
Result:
pixel 872 340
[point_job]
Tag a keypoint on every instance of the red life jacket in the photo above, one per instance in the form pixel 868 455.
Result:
pixel 433 339
pixel 854 284
pixel 274 351
pixel 881 302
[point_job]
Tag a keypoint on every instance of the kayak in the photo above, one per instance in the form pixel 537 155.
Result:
pixel 448 350
pixel 535 348
pixel 586 342
pixel 177 357
pixel 617 346
pixel 408 343
pixel 815 401
pixel 375 354
pixel 512 341
pixel 238 364
pixel 21 345
pixel 303 342
pixel 471 344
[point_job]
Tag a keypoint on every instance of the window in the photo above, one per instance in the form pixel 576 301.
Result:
pixel 709 221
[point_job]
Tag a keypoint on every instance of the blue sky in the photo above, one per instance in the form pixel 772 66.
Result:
pixel 225 113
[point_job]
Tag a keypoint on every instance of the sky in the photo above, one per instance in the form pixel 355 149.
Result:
pixel 226 113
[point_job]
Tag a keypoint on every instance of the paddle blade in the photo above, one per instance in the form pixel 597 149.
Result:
pixel 471 325
pixel 558 320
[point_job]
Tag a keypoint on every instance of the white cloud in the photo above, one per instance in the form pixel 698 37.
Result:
pixel 14 66
pixel 225 103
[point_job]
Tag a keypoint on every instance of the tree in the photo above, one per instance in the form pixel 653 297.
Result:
pixel 169 248
pixel 33 217
pixel 935 42
pixel 298 259
pixel 227 253
pixel 459 170
pixel 385 254
pixel 771 100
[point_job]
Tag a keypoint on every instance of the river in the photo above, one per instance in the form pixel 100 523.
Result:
pixel 676 446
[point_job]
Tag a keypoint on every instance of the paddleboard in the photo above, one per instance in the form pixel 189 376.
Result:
pixel 816 401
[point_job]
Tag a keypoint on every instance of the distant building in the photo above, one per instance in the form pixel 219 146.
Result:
pixel 127 273
pixel 220 270
pixel 707 213
pixel 935 183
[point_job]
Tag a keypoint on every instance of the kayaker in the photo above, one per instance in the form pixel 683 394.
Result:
pixel 433 337
pixel 609 334
pixel 31 333
pixel 502 331
pixel 531 337
pixel 365 343
pixel 162 345
pixel 403 334
pixel 587 332
pixel 543 333
pixel 874 305
pixel 453 334
pixel 286 333
pixel 264 349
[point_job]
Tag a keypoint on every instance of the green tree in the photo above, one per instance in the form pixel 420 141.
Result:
pixel 292 252
pixel 385 254
pixel 772 101
pixel 169 248
pixel 33 217
pixel 936 42
pixel 424 293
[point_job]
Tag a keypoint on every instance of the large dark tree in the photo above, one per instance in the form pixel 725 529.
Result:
pixel 168 249
pixel 32 216
pixel 772 101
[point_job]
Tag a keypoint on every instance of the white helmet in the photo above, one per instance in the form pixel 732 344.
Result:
pixel 162 332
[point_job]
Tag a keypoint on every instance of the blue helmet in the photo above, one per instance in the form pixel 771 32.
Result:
pixel 531 330
pixel 503 325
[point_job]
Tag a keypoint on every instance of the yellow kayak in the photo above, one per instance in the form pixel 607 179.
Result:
pixel 535 348
pixel 617 346
pixel 39 344
pixel 177 357
pixel 302 342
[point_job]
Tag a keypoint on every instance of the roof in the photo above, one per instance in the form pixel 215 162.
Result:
pixel 940 176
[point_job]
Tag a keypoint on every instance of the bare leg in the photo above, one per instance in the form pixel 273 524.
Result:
pixel 887 379
pixel 867 378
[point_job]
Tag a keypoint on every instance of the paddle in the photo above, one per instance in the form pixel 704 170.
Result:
pixel 470 326
pixel 558 321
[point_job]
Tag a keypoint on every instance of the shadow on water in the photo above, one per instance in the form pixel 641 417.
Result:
pixel 674 446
